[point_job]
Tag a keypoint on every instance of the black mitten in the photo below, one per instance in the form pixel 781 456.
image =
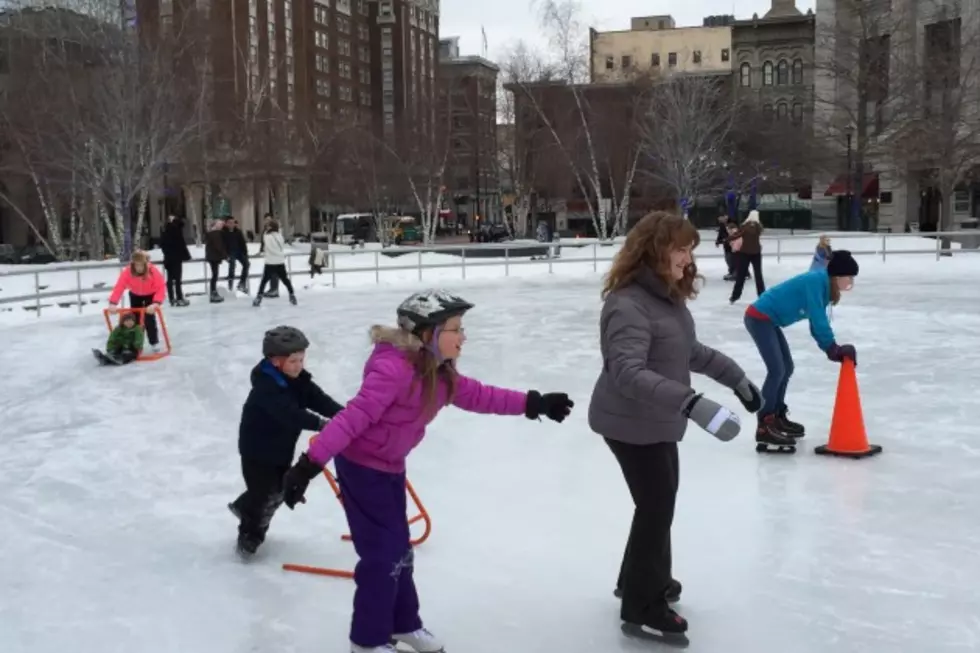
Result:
pixel 555 406
pixel 297 479
pixel 838 353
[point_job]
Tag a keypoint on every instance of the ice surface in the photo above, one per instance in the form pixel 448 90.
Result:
pixel 113 485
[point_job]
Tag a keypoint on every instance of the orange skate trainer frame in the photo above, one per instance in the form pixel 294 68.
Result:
pixel 423 516
pixel 141 315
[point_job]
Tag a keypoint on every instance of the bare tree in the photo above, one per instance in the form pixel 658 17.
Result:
pixel 687 134
pixel 122 115
pixel 939 141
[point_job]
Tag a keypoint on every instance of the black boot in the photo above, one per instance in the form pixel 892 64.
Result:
pixel 770 437
pixel 791 428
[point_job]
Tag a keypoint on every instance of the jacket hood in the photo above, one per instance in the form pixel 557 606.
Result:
pixel 753 216
pixel 398 338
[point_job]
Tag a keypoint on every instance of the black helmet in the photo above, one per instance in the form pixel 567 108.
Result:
pixel 429 308
pixel 283 341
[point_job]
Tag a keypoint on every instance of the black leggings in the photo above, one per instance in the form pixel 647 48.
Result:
pixel 149 321
pixel 275 272
pixel 175 274
pixel 742 262
pixel 215 266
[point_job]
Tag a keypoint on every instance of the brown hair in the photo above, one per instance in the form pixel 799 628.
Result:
pixel 139 256
pixel 650 243
pixel 429 373
pixel 834 292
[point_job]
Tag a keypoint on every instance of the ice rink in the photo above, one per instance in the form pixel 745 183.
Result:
pixel 113 485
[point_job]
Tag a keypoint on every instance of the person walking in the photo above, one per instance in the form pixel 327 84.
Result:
pixel 215 253
pixel 750 253
pixel 275 263
pixel 175 253
pixel 273 291
pixel 237 248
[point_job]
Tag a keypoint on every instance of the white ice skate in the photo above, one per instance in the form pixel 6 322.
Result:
pixel 387 648
pixel 420 641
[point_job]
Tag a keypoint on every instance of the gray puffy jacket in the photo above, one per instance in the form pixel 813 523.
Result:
pixel 649 349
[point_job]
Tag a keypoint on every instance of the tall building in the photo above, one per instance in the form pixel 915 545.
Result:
pixel 654 44
pixel 470 112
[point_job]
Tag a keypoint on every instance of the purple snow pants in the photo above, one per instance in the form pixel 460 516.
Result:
pixel 385 601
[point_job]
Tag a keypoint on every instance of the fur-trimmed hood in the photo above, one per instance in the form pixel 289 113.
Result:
pixel 396 337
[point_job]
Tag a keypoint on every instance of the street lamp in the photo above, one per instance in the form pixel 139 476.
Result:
pixel 846 222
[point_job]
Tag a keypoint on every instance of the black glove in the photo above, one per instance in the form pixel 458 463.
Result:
pixel 838 353
pixel 297 479
pixel 749 395
pixel 553 405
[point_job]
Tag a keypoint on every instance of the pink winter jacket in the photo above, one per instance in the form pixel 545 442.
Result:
pixel 386 420
pixel 151 283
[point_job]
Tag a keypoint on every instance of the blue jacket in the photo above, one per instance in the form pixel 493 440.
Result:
pixel 821 257
pixel 277 411
pixel 804 296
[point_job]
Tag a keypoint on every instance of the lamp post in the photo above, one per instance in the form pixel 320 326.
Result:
pixel 846 221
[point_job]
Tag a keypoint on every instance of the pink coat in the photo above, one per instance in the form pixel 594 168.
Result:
pixel 151 283
pixel 386 420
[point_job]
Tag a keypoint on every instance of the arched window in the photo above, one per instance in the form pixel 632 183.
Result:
pixel 767 74
pixel 798 113
pixel 782 73
pixel 782 111
pixel 745 74
pixel 797 72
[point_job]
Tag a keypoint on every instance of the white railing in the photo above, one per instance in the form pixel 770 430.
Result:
pixel 468 256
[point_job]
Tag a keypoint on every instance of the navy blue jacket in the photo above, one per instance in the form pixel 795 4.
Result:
pixel 803 297
pixel 276 411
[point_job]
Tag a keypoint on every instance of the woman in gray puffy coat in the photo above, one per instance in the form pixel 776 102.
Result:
pixel 643 400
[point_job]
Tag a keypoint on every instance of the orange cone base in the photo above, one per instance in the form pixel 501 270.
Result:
pixel 825 450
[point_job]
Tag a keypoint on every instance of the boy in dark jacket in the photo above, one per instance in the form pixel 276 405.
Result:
pixel 237 248
pixel 276 411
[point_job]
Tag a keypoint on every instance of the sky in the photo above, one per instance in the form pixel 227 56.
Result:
pixel 506 21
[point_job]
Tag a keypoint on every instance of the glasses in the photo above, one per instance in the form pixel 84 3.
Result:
pixel 460 330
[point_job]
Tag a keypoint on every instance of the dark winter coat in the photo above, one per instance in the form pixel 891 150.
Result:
pixel 276 412
pixel 235 243
pixel 751 235
pixel 214 245
pixel 722 237
pixel 123 338
pixel 649 349
pixel 172 243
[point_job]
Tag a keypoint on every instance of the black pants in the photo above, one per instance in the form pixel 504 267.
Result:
pixel 175 274
pixel 261 498
pixel 215 267
pixel 124 355
pixel 652 474
pixel 149 321
pixel 742 262
pixel 275 272
pixel 729 258
pixel 237 258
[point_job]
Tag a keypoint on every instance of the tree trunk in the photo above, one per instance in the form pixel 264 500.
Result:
pixel 948 190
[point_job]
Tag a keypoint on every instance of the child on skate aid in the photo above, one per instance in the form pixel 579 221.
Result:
pixel 806 295
pixel 409 377
pixel 276 411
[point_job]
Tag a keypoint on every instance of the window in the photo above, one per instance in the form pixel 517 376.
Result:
pixel 322 40
pixel 323 87
pixel 725 54
pixel 345 93
pixel 386 9
pixel 697 56
pixel 344 69
pixel 655 59
pixel 364 54
pixel 364 75
pixel 321 14
pixel 781 111
pixel 798 72
pixel 782 73
pixel 363 32
pixel 366 98
pixel 610 63
pixel 627 62
pixel 323 110
pixel 343 47
pixel 671 59
pixel 362 7
pixel 797 113
pixel 322 63
pixel 343 6
pixel 767 73
pixel 343 25
pixel 745 75
pixel 961 201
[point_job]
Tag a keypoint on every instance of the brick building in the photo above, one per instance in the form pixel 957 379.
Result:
pixel 470 112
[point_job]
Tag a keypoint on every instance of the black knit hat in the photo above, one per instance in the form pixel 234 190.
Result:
pixel 842 264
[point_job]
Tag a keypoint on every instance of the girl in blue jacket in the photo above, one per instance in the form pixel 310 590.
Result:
pixel 804 296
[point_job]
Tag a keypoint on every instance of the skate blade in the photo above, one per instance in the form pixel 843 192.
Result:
pixel 762 447
pixel 635 631
pixel 402 647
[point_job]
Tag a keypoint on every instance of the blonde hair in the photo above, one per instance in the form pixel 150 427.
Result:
pixel 824 241
pixel 650 244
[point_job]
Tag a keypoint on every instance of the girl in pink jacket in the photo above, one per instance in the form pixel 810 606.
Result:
pixel 147 289
pixel 409 377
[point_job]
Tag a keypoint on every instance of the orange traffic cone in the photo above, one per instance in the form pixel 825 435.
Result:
pixel 847 436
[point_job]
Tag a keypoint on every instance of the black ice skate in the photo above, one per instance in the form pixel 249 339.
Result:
pixel 672 593
pixel 292 300
pixel 271 294
pixel 788 426
pixel 180 303
pixel 769 438
pixel 243 287
pixel 247 546
pixel 257 301
pixel 666 627
pixel 216 297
